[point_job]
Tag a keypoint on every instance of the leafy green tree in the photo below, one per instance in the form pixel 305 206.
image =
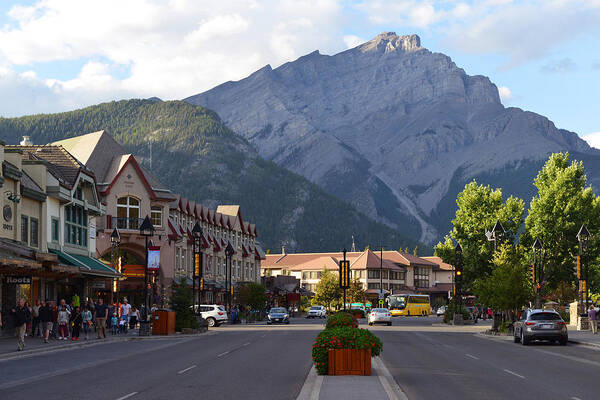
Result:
pixel 356 292
pixel 508 287
pixel 328 289
pixel 479 207
pixel 253 295
pixel 563 203
pixel 181 302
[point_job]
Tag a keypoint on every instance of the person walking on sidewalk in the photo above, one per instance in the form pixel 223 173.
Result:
pixel 63 323
pixel 593 315
pixel 86 319
pixel 46 320
pixel 22 317
pixel 101 315
pixel 35 325
pixel 76 322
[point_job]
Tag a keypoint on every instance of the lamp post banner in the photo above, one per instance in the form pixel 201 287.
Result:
pixel 153 257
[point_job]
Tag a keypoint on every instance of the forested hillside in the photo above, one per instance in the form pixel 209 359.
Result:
pixel 195 154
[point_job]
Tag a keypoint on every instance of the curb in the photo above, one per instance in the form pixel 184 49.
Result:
pixel 584 343
pixel 93 342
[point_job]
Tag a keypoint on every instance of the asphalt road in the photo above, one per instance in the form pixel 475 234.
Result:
pixel 255 363
pixel 449 365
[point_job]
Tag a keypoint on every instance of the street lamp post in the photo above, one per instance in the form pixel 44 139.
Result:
pixel 538 269
pixel 496 234
pixel 197 234
pixel 458 284
pixel 228 284
pixel 147 231
pixel 583 236
pixel 115 242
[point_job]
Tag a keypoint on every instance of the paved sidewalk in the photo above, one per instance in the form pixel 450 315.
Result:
pixel 584 337
pixel 380 385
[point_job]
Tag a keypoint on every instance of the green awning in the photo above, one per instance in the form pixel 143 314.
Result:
pixel 87 265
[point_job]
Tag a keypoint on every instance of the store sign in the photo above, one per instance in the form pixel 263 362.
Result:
pixel 18 280
pixel 97 285
pixel 154 257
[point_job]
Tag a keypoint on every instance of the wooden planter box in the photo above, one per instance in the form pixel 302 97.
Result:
pixel 349 362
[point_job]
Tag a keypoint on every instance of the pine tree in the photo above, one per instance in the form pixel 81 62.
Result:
pixel 181 302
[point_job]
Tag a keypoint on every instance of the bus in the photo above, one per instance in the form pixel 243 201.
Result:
pixel 409 304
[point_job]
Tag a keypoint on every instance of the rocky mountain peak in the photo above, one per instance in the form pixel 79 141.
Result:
pixel 388 42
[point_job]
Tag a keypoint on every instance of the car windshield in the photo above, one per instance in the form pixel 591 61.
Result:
pixel 277 310
pixel 315 308
pixel 380 310
pixel 544 316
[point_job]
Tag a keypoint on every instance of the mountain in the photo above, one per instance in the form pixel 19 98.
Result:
pixel 391 127
pixel 196 155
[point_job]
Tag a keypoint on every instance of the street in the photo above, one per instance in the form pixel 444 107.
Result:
pixel 272 362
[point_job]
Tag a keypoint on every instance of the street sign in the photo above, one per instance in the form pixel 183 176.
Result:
pixel 197 264
pixel 381 302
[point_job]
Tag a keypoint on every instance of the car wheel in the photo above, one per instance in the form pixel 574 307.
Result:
pixel 211 321
pixel 524 340
pixel 370 324
pixel 389 324
pixel 563 342
pixel 516 338
pixel 408 313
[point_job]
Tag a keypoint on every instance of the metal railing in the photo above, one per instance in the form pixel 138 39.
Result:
pixel 126 223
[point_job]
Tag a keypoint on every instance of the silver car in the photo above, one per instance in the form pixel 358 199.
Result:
pixel 317 312
pixel 380 316
pixel 540 325
pixel 278 314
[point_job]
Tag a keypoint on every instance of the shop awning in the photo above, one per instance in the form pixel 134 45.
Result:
pixel 87 265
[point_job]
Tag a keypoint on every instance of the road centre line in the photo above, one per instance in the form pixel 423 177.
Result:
pixel 246 344
pixel 127 396
pixel 472 356
pixel 183 371
pixel 575 398
pixel 514 373
pixel 223 354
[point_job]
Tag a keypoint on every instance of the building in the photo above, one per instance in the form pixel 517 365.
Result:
pixel 129 193
pixel 398 271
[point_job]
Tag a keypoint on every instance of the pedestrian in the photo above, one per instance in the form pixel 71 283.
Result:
pixel 134 316
pixel 593 315
pixel 86 320
pixel 28 325
pixel 22 316
pixel 123 322
pixel 46 320
pixel 35 324
pixel 63 322
pixel 75 301
pixel 101 315
pixel 54 320
pixel 76 322
pixel 114 322
pixel 125 310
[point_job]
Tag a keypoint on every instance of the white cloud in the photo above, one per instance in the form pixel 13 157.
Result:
pixel 353 41
pixel 593 139
pixel 505 94
pixel 559 66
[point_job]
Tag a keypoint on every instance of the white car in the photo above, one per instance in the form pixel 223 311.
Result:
pixel 441 311
pixel 380 316
pixel 317 312
pixel 214 314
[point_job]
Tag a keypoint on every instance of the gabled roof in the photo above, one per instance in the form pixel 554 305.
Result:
pixel 441 264
pixel 317 264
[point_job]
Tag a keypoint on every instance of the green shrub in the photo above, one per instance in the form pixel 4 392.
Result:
pixel 565 316
pixel 340 320
pixel 345 337
pixel 449 314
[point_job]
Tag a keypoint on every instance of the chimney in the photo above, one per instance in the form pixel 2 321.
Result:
pixel 282 249
pixel 26 141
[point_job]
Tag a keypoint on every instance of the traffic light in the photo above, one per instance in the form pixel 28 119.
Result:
pixel 196 264
pixel 459 271
pixel 578 267
pixel 201 283
pixel 532 271
pixel 344 274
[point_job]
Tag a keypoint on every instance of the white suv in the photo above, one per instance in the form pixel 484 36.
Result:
pixel 317 312
pixel 214 314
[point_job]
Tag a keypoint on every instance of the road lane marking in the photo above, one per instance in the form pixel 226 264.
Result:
pixel 575 398
pixel 391 388
pixel 246 344
pixel 514 373
pixel 472 356
pixel 223 354
pixel 183 371
pixel 127 396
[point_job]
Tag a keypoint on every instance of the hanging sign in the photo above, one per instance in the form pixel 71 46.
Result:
pixel 153 257
pixel 18 280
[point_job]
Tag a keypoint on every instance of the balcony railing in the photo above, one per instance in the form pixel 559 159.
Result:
pixel 126 223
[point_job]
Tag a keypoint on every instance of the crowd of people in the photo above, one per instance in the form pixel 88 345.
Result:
pixel 64 321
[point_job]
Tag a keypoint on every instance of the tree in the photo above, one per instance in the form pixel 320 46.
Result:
pixel 508 287
pixel 416 251
pixel 356 292
pixel 563 203
pixel 253 295
pixel 328 289
pixel 479 207
pixel 181 301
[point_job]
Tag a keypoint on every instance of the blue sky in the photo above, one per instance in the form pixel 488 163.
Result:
pixel 58 55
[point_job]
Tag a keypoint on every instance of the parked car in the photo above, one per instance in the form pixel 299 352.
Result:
pixel 380 316
pixel 317 312
pixel 278 314
pixel 441 311
pixel 214 314
pixel 540 325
